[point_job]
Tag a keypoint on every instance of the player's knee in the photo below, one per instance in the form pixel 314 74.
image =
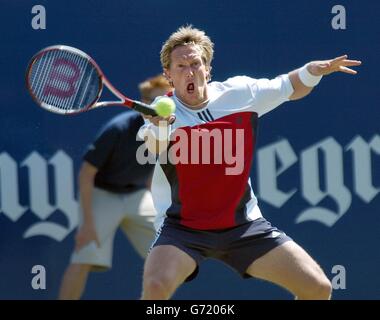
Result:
pixel 323 289
pixel 318 289
pixel 157 287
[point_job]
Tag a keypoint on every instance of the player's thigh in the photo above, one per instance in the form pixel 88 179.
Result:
pixel 168 264
pixel 289 266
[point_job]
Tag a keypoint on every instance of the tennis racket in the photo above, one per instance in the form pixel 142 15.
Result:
pixel 65 80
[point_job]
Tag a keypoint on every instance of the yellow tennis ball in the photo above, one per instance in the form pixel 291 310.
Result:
pixel 165 107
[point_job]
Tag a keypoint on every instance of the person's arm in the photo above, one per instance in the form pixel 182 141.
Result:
pixel 304 79
pixel 86 232
pixel 156 133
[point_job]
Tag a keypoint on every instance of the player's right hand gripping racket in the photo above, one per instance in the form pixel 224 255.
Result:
pixel 65 80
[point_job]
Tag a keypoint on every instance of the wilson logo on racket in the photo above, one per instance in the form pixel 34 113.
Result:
pixel 62 79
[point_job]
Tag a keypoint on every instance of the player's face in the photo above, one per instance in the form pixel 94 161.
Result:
pixel 189 74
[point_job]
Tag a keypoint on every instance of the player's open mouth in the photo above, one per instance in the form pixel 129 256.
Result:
pixel 190 88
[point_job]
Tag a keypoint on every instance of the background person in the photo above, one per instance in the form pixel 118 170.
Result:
pixel 114 192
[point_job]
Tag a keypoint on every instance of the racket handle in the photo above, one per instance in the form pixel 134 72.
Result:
pixel 143 108
pixel 148 110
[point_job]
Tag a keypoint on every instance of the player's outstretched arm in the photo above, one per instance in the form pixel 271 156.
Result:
pixel 304 79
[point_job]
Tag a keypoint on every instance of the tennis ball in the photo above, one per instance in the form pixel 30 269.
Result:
pixel 165 107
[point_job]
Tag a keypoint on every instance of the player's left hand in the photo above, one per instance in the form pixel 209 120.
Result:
pixel 338 64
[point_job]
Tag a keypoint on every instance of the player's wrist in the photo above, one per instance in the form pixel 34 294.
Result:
pixel 307 78
pixel 160 132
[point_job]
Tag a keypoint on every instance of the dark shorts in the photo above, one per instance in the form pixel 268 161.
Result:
pixel 237 247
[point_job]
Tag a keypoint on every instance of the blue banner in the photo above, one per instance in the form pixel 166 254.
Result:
pixel 316 170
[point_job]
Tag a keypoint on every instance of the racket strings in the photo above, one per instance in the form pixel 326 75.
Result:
pixel 64 81
pixel 45 81
pixel 59 85
pixel 65 71
pixel 54 82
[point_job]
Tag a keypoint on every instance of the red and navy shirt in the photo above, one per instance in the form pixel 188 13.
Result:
pixel 202 181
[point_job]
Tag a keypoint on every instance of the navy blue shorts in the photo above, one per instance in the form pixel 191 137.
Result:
pixel 237 247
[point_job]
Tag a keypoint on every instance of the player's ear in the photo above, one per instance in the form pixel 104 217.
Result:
pixel 208 69
pixel 167 76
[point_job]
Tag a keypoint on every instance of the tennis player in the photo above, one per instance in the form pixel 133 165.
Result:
pixel 208 209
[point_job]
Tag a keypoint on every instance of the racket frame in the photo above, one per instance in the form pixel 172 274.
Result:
pixel 124 101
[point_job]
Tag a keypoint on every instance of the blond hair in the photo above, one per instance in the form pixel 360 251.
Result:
pixel 149 87
pixel 187 35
